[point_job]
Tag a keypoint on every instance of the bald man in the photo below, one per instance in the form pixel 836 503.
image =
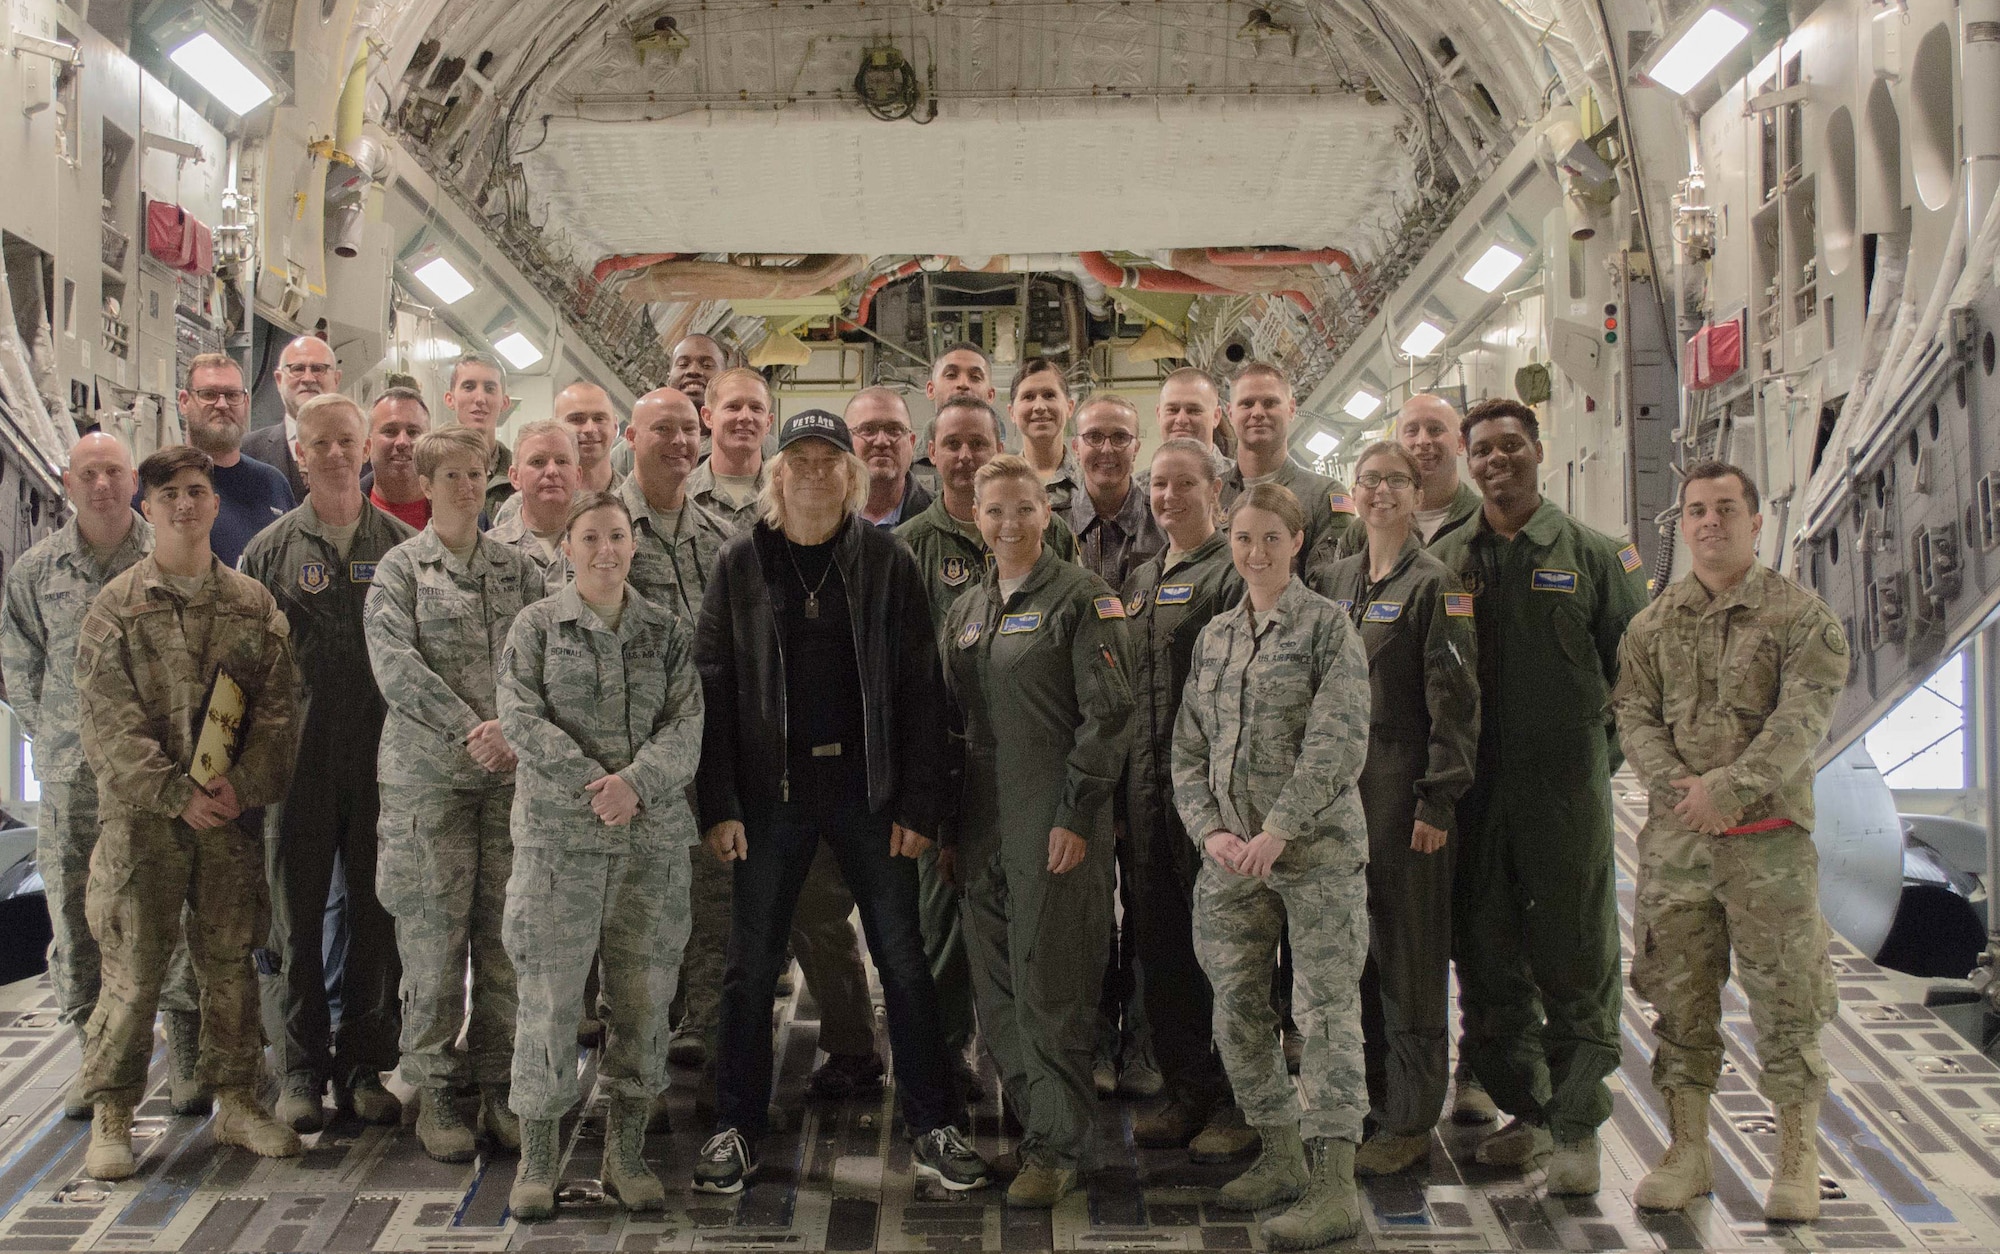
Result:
pixel 48 591
pixel 696 360
pixel 307 368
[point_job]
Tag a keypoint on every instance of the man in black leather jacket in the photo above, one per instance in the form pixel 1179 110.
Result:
pixel 824 722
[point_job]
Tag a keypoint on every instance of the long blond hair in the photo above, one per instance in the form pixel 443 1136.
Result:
pixel 771 497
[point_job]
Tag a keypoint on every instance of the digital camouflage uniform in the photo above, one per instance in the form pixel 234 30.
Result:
pixel 510 509
pixel 553 563
pixel 579 701
pixel 952 558
pixel 1329 509
pixel 1416 627
pixel 1738 689
pixel 1164 616
pixel 330 815
pixel 436 626
pixel 48 593
pixel 701 490
pixel 1535 917
pixel 1272 732
pixel 145 660
pixel 1066 484
pixel 1040 686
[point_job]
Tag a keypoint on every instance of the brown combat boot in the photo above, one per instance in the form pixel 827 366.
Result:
pixel 1685 1172
pixel 110 1154
pixel 242 1122
pixel 1794 1195
pixel 1226 1138
pixel 186 1094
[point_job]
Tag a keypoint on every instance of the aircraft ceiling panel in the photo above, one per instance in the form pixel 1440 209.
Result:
pixel 986 177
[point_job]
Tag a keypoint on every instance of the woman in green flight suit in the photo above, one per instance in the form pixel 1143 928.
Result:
pixel 1423 733
pixel 1034 659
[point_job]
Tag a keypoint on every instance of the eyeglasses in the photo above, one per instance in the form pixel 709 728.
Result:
pixel 296 368
pixel 1109 439
pixel 1371 480
pixel 220 396
pixel 875 432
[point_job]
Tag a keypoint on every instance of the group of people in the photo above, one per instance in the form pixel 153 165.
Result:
pixel 1117 764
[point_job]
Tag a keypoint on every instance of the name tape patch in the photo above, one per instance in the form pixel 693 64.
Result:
pixel 1109 607
pixel 1015 624
pixel 1555 581
pixel 1458 604
pixel 1174 594
pixel 1382 612
pixel 361 572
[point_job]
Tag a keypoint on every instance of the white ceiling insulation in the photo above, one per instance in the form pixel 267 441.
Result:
pixel 985 177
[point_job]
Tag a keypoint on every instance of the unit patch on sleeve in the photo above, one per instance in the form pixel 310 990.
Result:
pixel 1109 607
pixel 1555 581
pixel 1628 557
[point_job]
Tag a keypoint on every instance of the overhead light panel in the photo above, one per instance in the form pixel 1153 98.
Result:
pixel 1423 339
pixel 518 349
pixel 1362 404
pixel 236 86
pixel 1491 270
pixel 1697 50
pixel 1322 443
pixel 443 280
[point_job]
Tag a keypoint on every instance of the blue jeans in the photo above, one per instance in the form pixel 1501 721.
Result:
pixel 829 803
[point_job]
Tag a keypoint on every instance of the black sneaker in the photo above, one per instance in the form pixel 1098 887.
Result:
pixel 726 1161
pixel 944 1155
pixel 845 1075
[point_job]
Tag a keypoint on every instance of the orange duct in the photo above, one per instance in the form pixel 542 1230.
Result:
pixel 1111 274
pixel 627 261
pixel 1281 257
pixel 724 280
pixel 875 285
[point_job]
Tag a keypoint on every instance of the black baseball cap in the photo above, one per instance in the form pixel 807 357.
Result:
pixel 815 424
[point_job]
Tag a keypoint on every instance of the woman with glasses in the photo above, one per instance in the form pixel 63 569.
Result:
pixel 1416 624
pixel 1272 731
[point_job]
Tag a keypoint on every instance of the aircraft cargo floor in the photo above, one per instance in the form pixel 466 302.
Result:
pixel 1909 1145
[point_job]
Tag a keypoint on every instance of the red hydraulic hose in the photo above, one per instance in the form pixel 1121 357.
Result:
pixel 875 285
pixel 1111 274
pixel 1281 257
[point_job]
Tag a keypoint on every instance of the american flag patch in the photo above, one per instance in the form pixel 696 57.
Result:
pixel 1109 607
pixel 1458 604
pixel 1628 557
pixel 1340 502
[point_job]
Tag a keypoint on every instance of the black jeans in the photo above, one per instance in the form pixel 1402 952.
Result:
pixel 829 803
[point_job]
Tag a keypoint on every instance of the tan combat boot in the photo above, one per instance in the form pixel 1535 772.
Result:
pixel 1278 1176
pixel 1385 1154
pixel 1520 1144
pixel 533 1197
pixel 441 1130
pixel 1574 1169
pixel 1685 1172
pixel 1040 1185
pixel 1331 1208
pixel 626 1175
pixel 1794 1195
pixel 241 1122
pixel 186 1094
pixel 110 1154
pixel 1227 1137
pixel 502 1124
pixel 1171 1126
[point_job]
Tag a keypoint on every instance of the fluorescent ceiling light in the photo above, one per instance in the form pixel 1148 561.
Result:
pixel 1490 271
pixel 444 280
pixel 518 349
pixel 221 74
pixel 1362 403
pixel 1423 339
pixel 1321 443
pixel 1700 49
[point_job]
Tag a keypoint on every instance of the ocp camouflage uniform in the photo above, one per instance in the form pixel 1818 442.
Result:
pixel 1038 680
pixel 1165 612
pixel 48 593
pixel 330 814
pixel 579 701
pixel 436 626
pixel 952 557
pixel 1329 509
pixel 1416 627
pixel 550 560
pixel 1535 915
pixel 146 658
pixel 1271 735
pixel 1737 688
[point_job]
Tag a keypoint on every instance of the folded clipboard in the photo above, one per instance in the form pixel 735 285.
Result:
pixel 219 730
